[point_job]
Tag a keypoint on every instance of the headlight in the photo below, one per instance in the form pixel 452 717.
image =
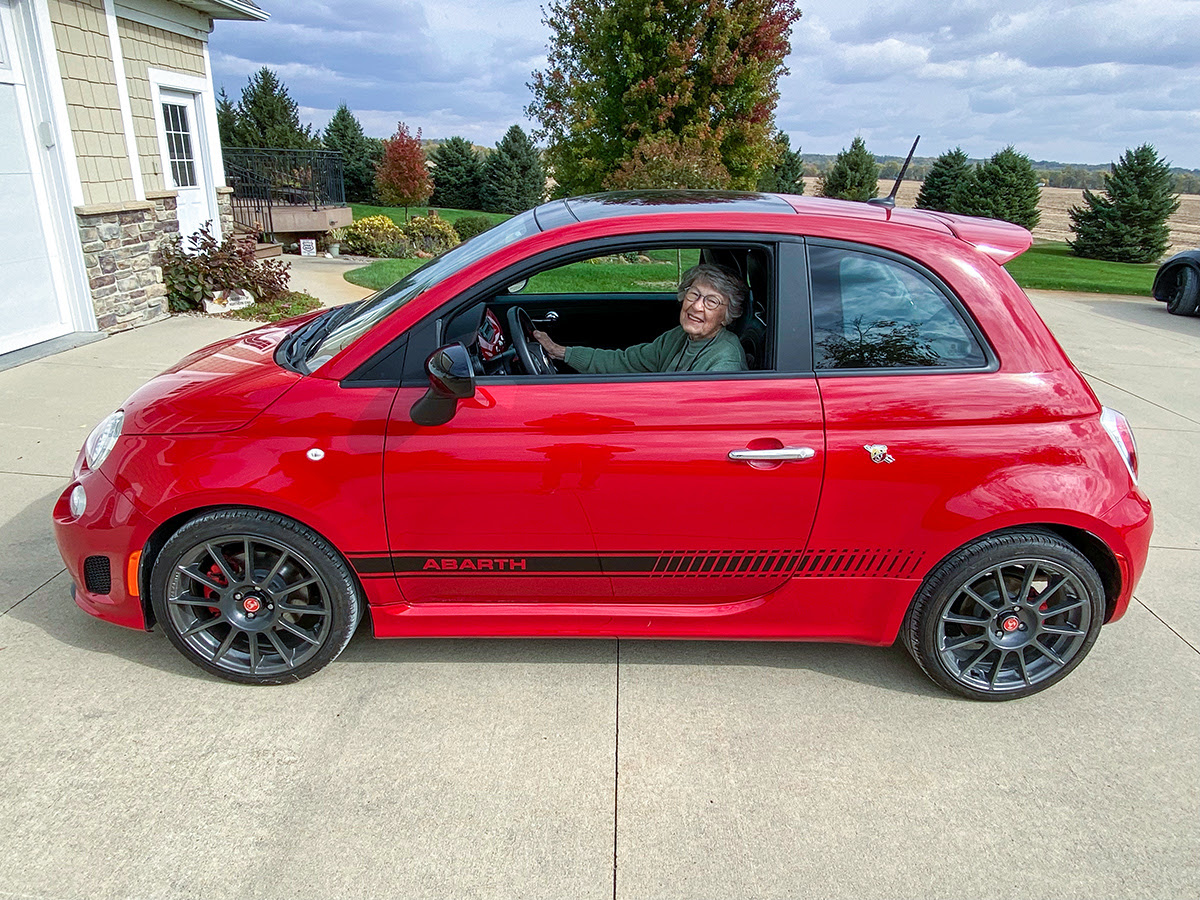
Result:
pixel 102 439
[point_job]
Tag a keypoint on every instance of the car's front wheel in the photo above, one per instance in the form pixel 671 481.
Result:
pixel 254 597
pixel 1184 298
pixel 1006 616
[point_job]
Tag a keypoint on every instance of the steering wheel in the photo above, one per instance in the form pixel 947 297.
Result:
pixel 533 355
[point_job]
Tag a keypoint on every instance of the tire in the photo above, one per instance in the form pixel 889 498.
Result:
pixel 285 617
pixel 1006 616
pixel 1184 298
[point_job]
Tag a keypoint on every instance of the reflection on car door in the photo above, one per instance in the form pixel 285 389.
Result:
pixel 585 491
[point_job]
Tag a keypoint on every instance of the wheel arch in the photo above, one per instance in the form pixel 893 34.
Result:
pixel 1164 278
pixel 162 533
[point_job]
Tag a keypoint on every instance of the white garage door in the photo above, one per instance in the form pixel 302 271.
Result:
pixel 31 310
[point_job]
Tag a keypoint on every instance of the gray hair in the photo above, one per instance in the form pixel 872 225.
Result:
pixel 723 280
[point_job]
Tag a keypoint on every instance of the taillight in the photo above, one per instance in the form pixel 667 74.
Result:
pixel 1118 429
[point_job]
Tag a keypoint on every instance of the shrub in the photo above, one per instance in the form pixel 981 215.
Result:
pixel 430 234
pixel 285 306
pixel 375 236
pixel 208 266
pixel 854 175
pixel 469 226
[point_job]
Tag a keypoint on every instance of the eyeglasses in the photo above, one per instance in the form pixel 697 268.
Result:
pixel 711 301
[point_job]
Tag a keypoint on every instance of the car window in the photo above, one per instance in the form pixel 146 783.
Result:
pixel 871 311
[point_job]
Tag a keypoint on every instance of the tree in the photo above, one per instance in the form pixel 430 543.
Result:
pixel 853 176
pixel 360 154
pixel 226 119
pixel 401 177
pixel 513 177
pixel 666 161
pixel 626 77
pixel 787 175
pixel 267 116
pixel 1005 187
pixel 947 173
pixel 457 174
pixel 1128 223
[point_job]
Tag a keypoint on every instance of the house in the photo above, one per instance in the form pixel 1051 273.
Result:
pixel 108 142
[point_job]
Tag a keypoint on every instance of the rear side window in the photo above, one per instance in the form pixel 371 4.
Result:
pixel 872 312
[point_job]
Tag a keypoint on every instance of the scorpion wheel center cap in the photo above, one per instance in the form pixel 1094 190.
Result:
pixel 252 604
pixel 1010 624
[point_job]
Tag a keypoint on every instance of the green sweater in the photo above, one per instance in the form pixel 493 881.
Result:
pixel 670 352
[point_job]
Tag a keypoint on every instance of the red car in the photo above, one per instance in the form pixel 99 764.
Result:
pixel 906 453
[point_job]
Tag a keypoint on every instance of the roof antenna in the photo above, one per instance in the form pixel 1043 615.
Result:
pixel 890 200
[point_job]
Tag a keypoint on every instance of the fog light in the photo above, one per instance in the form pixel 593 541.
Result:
pixel 78 501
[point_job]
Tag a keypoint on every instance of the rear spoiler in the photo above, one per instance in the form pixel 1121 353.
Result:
pixel 1002 241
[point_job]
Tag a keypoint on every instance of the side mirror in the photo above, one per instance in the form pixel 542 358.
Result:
pixel 451 378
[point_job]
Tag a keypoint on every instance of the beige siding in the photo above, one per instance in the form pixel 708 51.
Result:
pixel 93 109
pixel 144 47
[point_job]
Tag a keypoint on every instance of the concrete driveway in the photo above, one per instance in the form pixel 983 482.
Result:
pixel 594 769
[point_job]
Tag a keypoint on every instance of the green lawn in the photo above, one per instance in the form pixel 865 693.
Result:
pixel 1051 266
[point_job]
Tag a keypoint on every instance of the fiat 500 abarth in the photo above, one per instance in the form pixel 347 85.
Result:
pixel 907 454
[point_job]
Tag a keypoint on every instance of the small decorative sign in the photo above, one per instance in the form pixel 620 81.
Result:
pixel 308 247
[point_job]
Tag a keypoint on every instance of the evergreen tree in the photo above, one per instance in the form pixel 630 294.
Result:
pixel 345 135
pixel 267 116
pixel 1128 223
pixel 853 176
pixel 629 77
pixel 1005 187
pixel 402 178
pixel 226 119
pixel 457 174
pixel 513 178
pixel 786 176
pixel 948 171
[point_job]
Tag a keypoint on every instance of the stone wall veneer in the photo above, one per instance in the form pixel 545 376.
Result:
pixel 120 250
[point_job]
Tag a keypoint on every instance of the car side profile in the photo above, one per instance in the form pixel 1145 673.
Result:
pixel 908 454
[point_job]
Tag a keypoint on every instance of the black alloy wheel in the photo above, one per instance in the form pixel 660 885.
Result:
pixel 1006 617
pixel 254 597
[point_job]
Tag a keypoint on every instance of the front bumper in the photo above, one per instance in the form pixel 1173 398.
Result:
pixel 101 550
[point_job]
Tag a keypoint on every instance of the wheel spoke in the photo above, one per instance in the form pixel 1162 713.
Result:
pixel 222 563
pixel 1066 630
pixel 977 658
pixel 1059 610
pixel 965 641
pixel 303 610
pixel 283 557
pixel 960 619
pixel 966 589
pixel 202 626
pixel 297 631
pixel 1024 669
pixel 254 654
pixel 1048 653
pixel 1027 584
pixel 288 589
pixel 999 668
pixel 1044 596
pixel 248 556
pixel 196 575
pixel 192 600
pixel 279 647
pixel 998 573
pixel 225 644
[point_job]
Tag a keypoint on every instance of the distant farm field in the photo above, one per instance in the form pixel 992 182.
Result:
pixel 1055 225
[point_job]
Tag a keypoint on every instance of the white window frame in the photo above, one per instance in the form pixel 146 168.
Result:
pixel 208 146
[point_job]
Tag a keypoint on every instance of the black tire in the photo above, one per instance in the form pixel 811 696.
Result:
pixel 1006 616
pixel 1184 298
pixel 281 619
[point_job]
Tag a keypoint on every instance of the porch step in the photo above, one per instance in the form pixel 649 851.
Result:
pixel 266 251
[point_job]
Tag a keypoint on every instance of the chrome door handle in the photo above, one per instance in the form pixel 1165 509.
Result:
pixel 777 454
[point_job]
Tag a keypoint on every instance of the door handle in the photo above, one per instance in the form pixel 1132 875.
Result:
pixel 775 454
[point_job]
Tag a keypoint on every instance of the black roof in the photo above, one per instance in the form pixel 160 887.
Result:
pixel 623 203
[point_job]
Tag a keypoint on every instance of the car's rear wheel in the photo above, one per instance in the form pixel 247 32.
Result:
pixel 1006 616
pixel 1184 298
pixel 254 597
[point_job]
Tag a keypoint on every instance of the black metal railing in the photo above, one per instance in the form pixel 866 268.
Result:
pixel 264 178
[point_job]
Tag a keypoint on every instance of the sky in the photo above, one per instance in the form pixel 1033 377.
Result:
pixel 1076 81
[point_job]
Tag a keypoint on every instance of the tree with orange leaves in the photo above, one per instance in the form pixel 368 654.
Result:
pixel 402 178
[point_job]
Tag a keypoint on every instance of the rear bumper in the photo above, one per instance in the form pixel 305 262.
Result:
pixel 98 547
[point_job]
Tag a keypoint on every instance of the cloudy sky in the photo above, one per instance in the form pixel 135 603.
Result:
pixel 1067 81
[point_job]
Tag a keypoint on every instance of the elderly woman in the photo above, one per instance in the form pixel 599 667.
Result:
pixel 711 298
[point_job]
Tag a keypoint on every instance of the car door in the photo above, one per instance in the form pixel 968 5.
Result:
pixel 678 490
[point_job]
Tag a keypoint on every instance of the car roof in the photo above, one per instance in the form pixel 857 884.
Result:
pixel 1002 241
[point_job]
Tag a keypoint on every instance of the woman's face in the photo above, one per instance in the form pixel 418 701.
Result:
pixel 698 320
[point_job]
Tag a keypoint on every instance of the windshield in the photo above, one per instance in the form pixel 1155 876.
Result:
pixel 374 309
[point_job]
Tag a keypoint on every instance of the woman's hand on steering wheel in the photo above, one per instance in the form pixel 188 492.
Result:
pixel 556 351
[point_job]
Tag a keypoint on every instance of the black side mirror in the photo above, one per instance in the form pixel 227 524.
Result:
pixel 451 378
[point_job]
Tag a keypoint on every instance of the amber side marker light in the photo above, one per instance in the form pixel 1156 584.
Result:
pixel 131 573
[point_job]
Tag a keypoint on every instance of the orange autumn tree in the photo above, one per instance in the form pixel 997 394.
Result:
pixel 402 178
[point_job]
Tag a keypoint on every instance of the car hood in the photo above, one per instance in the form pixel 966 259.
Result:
pixel 219 388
